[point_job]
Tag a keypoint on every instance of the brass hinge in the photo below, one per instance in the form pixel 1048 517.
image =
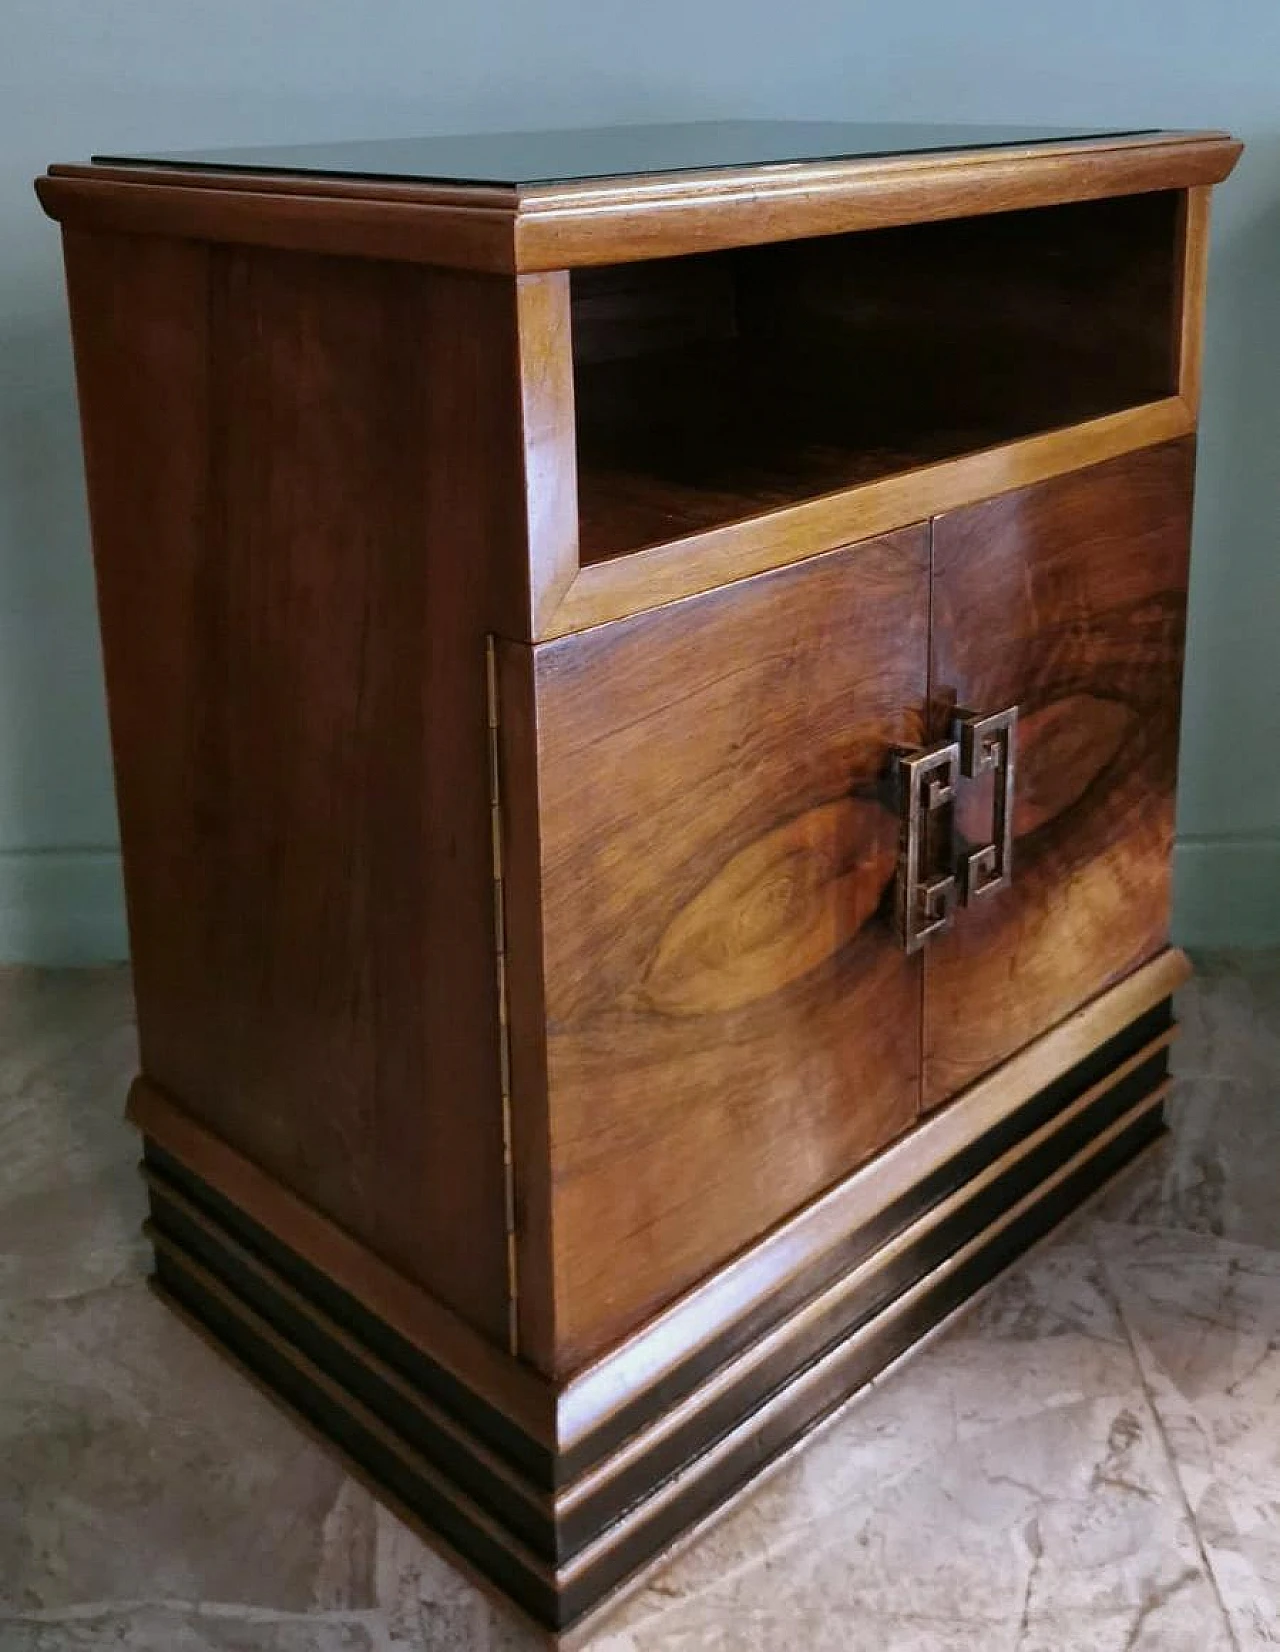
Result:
pixel 504 1029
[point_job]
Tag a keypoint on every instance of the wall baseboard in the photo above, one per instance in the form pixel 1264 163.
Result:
pixel 61 907
pixel 66 906
pixel 1226 891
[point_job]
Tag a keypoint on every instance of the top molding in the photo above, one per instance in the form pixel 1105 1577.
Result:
pixel 540 227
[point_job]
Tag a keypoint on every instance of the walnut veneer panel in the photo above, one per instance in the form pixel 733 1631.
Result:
pixel 1069 600
pixel 730 1023
pixel 284 457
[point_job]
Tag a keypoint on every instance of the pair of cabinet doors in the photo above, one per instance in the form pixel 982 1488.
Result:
pixel 731 1020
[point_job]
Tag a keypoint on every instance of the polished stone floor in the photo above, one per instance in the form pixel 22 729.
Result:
pixel 1090 1460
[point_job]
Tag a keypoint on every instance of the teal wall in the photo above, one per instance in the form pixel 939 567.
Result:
pixel 84 75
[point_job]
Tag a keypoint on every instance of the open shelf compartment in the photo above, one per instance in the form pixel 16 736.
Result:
pixel 717 387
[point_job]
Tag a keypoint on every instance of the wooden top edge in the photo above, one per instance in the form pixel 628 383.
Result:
pixel 808 175
pixel 624 220
pixel 474 232
pixel 482 196
pixel 620 220
pixel 530 199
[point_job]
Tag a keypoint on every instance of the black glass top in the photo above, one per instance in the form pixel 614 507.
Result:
pixel 516 158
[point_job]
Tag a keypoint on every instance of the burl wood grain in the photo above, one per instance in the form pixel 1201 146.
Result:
pixel 298 531
pixel 730 1024
pixel 1067 599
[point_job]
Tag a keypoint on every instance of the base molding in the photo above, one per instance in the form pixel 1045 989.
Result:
pixel 560 1500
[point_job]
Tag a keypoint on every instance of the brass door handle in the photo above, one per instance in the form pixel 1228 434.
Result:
pixel 989 745
pixel 933 880
pixel 925 900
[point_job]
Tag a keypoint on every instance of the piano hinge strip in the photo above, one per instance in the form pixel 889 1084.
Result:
pixel 500 961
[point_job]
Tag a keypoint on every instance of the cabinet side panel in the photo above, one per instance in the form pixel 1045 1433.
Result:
pixel 139 314
pixel 1068 600
pixel 304 478
pixel 731 1023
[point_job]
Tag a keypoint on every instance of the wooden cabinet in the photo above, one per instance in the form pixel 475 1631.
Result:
pixel 644 674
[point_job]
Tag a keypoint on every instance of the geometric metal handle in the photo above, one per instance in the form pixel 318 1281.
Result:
pixel 989 745
pixel 925 900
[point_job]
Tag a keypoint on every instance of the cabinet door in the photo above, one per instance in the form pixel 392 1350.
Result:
pixel 732 1025
pixel 1067 600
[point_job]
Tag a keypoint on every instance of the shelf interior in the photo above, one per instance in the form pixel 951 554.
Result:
pixel 718 386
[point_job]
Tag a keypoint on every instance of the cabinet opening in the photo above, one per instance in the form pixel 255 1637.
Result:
pixel 714 387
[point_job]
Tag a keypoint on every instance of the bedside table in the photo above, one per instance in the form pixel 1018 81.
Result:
pixel 644 675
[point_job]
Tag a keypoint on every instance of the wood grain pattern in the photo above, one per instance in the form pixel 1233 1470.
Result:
pixel 1192 273
pixel 568 225
pixel 485 196
pixel 851 1360
pixel 365 225
pixel 660 1470
pixel 376 219
pixel 1067 600
pixel 563 226
pixel 730 1022
pixel 522 834
pixel 738 1294
pixel 626 585
pixel 805 1333
pixel 731 383
pixel 331 480
pixel 550 459
pixel 294 472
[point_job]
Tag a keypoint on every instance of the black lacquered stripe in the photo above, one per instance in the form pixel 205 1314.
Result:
pixel 794 1416
pixel 584 1521
pixel 527 1514
pixel 787 1416
pixel 537 1595
pixel 453 1396
pixel 622 1517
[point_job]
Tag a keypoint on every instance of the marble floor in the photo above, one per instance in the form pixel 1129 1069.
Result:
pixel 1089 1460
